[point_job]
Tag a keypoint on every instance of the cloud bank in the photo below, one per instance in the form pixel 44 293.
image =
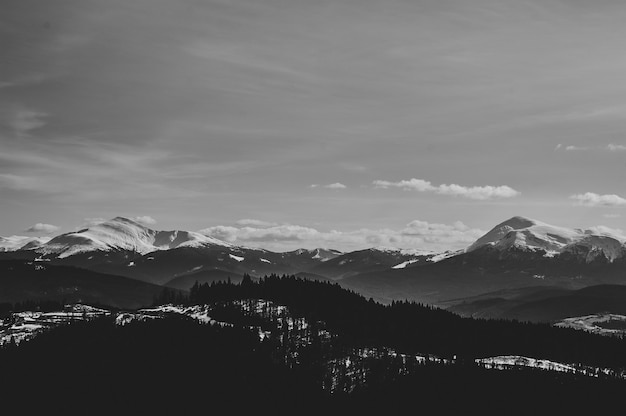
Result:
pixel 416 234
pixel 616 147
pixel 591 199
pixel 472 192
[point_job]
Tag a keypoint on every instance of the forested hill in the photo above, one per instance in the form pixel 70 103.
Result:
pixel 414 328
pixel 308 348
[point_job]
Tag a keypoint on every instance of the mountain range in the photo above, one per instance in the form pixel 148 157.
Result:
pixel 516 254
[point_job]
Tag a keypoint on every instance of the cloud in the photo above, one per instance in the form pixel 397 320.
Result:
pixel 26 120
pixel 416 234
pixel 591 199
pixel 42 228
pixel 615 147
pixel 411 184
pixel 610 147
pixel 472 192
pixel 612 216
pixel 20 182
pixel 145 219
pixel 571 148
pixel 335 185
pixel 255 223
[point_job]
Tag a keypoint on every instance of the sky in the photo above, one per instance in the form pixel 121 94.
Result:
pixel 305 123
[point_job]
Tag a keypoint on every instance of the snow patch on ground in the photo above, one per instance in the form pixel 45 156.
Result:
pixel 594 324
pixel 445 255
pixel 22 326
pixel 237 258
pixel 508 362
pixel 405 263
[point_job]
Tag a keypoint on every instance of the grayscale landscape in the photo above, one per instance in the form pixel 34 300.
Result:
pixel 324 207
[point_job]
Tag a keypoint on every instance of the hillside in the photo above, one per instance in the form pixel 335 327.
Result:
pixel 25 280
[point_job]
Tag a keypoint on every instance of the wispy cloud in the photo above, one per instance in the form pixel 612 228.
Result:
pixel 19 182
pixel 26 120
pixel 42 228
pixel 591 199
pixel 616 147
pixel 24 80
pixel 471 192
pixel 612 147
pixel 335 185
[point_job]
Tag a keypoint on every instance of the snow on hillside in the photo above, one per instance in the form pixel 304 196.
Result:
pixel 532 235
pixel 321 254
pixel 445 255
pixel 601 323
pixel 198 312
pixel 22 326
pixel 507 362
pixel 236 258
pixel 404 264
pixel 124 234
pixel 17 242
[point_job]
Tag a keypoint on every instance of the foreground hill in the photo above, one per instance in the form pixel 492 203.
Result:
pixel 22 280
pixel 346 355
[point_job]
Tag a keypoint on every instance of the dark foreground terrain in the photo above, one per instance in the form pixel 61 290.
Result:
pixel 289 346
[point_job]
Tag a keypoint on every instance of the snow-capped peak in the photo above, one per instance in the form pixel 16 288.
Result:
pixel 123 234
pixel 532 235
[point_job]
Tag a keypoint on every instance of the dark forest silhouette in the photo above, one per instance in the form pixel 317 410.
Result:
pixel 176 365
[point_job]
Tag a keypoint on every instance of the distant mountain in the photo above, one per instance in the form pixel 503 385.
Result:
pixel 122 234
pixel 126 248
pixel 516 253
pixel 522 235
pixel 370 260
pixel 544 304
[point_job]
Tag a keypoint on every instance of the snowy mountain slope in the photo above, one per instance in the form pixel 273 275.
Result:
pixel 526 233
pixel 123 234
pixel 523 234
pixel 17 242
